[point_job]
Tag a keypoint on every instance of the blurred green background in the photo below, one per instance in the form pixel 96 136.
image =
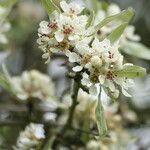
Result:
pixel 24 54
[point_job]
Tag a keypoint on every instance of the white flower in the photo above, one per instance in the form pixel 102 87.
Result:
pixel 93 88
pixel 125 85
pixel 33 84
pixel 31 137
pixel 93 145
pixel 70 28
pixel 113 9
pixel 102 60
pixel 63 30
pixel 71 9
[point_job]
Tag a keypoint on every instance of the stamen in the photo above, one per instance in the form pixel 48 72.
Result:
pixel 52 25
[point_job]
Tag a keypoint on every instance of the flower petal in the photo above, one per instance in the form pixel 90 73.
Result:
pixel 59 36
pixel 77 68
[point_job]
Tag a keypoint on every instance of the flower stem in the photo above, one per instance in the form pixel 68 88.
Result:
pixel 68 125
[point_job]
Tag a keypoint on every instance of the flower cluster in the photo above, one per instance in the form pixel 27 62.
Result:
pixel 33 84
pixel 96 58
pixel 101 60
pixel 114 9
pixel 31 137
pixel 4 25
pixel 63 30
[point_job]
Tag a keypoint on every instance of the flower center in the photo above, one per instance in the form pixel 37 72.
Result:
pixel 111 55
pixel 67 30
pixel 109 75
pixel 86 58
pixel 72 11
pixel 94 76
pixel 63 45
pixel 52 25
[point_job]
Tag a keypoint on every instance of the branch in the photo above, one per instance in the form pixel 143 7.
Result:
pixel 73 106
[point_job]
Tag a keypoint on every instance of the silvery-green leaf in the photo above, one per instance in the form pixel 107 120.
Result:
pixel 4 83
pixel 50 6
pixel 124 16
pixel 131 71
pixel 57 3
pixel 90 19
pixel 100 118
pixel 5 80
pixel 116 34
pixel 136 49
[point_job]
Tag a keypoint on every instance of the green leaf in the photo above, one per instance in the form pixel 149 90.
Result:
pixel 103 5
pixel 91 19
pixel 124 16
pixel 101 122
pixel 110 93
pixel 136 49
pixel 131 71
pixel 57 3
pixel 50 6
pixel 115 35
pixel 48 145
pixel 5 80
pixel 4 83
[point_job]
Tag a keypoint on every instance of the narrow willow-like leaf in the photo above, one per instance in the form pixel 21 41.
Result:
pixel 137 50
pixel 91 19
pixel 57 3
pixel 49 6
pixel 131 72
pixel 124 16
pixel 110 93
pixel 115 35
pixel 6 73
pixel 101 122
pixel 4 83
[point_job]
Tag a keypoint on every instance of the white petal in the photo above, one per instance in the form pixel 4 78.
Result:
pixel 47 61
pixel 45 56
pixel 74 37
pixel 77 68
pixel 95 43
pixel 73 57
pixel 59 36
pixel 111 85
pixel 54 50
pixel 101 79
pixel 85 80
pixel 64 6
pixel 43 24
pixel 113 9
pixel 77 8
pixel 125 93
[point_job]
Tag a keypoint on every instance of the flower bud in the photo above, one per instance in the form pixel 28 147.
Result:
pixel 96 61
